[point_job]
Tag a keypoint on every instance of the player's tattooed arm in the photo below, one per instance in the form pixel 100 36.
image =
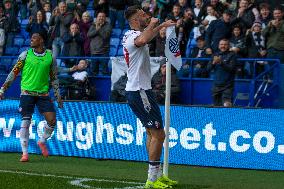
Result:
pixel 15 72
pixel 55 82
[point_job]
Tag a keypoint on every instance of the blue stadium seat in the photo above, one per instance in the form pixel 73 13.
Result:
pixel 25 22
pixel 7 62
pixel 3 69
pixel 11 51
pixel 114 42
pixel 112 51
pixel 22 49
pixel 92 12
pixel 19 42
pixel 120 51
pixel 116 32
pixel 27 42
pixel 24 33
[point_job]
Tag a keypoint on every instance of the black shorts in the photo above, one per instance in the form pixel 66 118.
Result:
pixel 145 107
pixel 28 102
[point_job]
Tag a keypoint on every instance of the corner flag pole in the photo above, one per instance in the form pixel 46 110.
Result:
pixel 167 119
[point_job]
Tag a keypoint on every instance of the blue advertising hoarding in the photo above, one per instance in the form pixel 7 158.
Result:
pixel 219 137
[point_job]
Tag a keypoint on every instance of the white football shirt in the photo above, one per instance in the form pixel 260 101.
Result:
pixel 138 62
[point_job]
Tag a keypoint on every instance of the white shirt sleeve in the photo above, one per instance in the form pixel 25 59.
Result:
pixel 129 40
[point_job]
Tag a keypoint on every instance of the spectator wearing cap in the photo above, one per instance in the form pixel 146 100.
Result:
pixel 60 22
pixel 159 85
pixel 256 45
pixel 199 66
pixel 217 30
pixel 38 24
pixel 13 25
pixel 274 33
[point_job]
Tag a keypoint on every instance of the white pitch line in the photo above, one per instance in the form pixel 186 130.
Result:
pixel 77 181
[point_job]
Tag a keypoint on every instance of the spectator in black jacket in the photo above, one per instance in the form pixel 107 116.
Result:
pixel 244 15
pixel 223 66
pixel 176 13
pixel 217 30
pixel 218 7
pixel 38 24
pixel 13 25
pixel 73 44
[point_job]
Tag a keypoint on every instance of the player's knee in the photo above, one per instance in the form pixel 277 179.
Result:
pixel 26 121
pixel 159 134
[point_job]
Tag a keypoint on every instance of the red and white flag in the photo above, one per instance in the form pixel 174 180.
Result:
pixel 172 50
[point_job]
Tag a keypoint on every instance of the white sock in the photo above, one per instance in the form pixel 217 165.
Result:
pixel 24 135
pixel 46 133
pixel 153 170
pixel 160 173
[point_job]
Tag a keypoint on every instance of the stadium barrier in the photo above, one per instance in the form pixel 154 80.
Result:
pixel 253 92
pixel 219 137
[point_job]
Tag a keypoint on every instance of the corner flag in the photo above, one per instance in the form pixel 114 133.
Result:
pixel 172 50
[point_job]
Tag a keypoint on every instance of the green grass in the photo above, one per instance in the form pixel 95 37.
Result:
pixel 109 174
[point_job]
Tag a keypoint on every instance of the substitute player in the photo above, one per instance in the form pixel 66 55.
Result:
pixel 138 88
pixel 38 67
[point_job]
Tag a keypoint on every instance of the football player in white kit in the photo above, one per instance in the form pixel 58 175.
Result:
pixel 138 88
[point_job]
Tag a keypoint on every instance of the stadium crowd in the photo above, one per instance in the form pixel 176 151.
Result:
pixel 79 28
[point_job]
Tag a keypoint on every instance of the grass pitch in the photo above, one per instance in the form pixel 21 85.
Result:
pixel 77 173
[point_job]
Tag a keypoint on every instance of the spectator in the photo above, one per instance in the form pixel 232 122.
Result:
pixel 265 15
pixel 47 10
pixel 211 15
pixel 38 24
pixel 223 66
pixel 199 67
pixel 238 46
pixel 84 26
pixel 198 12
pixel 274 33
pixel 13 25
pixel 101 6
pixel 60 21
pixel 218 7
pixel 176 13
pixel 183 29
pixel 149 6
pixel 255 42
pixel 157 45
pixel 72 44
pixel 237 41
pixel 217 30
pixel 159 85
pixel 244 16
pixel 230 4
pixel 118 92
pixel 116 12
pixel 100 33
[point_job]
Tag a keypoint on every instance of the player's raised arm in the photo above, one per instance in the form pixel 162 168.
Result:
pixel 13 74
